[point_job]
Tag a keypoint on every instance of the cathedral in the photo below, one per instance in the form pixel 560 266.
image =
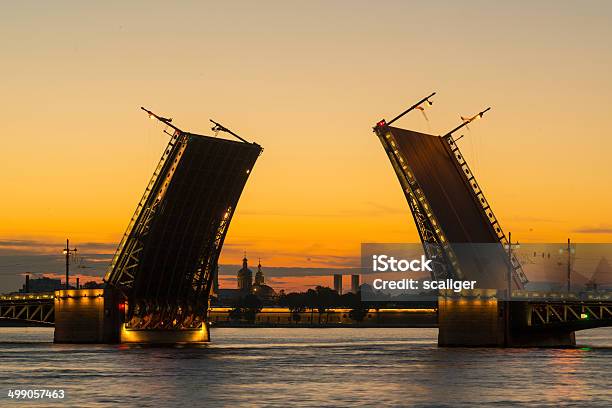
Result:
pixel 257 287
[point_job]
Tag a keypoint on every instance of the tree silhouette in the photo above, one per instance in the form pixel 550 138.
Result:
pixel 246 308
pixel 321 299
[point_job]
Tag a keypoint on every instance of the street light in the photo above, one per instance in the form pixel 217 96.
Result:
pixel 67 252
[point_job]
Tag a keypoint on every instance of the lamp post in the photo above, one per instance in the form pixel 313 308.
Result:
pixel 68 252
pixel 569 266
pixel 570 258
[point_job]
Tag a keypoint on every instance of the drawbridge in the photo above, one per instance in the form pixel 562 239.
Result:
pixel 455 221
pixel 464 239
pixel 159 281
pixel 165 263
pixel 161 275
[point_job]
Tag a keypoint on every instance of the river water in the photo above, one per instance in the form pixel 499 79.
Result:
pixel 306 367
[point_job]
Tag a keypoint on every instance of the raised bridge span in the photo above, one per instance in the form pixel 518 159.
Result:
pixel 464 238
pixel 159 281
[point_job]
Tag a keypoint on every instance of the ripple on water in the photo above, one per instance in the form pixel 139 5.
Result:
pixel 309 367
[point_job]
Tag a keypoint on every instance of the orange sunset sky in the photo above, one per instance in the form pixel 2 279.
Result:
pixel 306 81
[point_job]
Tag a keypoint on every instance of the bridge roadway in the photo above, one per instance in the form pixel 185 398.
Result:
pixel 531 310
pixel 566 310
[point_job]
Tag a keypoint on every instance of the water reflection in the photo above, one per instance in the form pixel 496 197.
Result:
pixel 309 367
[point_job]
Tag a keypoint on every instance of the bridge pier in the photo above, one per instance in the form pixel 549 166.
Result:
pixel 200 335
pixel 97 316
pixel 479 319
pixel 472 320
pixel 87 316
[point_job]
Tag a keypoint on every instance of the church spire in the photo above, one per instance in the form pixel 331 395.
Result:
pixel 259 276
pixel 245 277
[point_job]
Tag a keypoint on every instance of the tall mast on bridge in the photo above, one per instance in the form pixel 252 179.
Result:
pixel 168 121
pixel 410 109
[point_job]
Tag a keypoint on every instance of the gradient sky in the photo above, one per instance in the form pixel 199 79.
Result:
pixel 306 81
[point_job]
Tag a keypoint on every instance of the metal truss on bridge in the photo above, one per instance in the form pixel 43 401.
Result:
pixel 28 308
pixel 574 314
pixel 519 276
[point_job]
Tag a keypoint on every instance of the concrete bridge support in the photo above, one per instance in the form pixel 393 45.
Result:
pixel 97 316
pixel 478 319
pixel 88 316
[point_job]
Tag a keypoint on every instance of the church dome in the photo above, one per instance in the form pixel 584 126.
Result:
pixel 245 276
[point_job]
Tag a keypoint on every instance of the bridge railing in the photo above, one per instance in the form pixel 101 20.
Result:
pixel 561 296
pixel 27 296
pixel 585 313
pixel 35 308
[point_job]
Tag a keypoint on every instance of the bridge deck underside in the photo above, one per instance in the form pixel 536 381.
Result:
pixel 569 315
pixel 479 253
pixel 174 244
pixel 204 190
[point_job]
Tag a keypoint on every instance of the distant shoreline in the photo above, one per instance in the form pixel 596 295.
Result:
pixel 407 325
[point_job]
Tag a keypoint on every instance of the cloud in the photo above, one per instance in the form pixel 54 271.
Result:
pixel 32 246
pixel 306 256
pixel 594 230
pixel 14 264
pixel 283 271
pixel 528 218
pixel 99 246
pixel 17 242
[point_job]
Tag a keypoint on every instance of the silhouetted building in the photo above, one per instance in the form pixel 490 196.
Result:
pixel 259 277
pixel 338 283
pixel 43 284
pixel 354 283
pixel 246 285
pixel 245 277
pixel 367 290
pixel 93 285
